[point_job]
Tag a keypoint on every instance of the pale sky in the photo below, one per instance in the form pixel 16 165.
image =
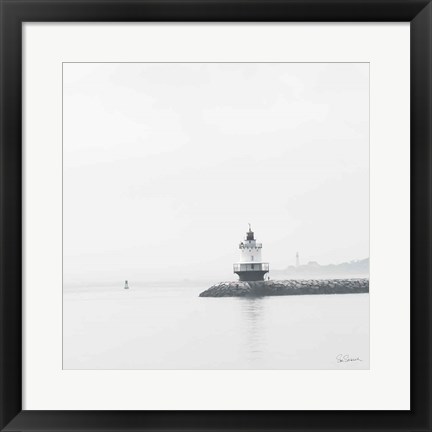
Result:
pixel 165 164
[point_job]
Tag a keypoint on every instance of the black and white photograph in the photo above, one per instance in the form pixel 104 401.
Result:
pixel 216 216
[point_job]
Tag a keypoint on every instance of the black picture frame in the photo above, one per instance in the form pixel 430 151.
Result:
pixel 15 12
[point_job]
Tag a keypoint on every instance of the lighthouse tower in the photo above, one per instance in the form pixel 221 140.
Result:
pixel 250 267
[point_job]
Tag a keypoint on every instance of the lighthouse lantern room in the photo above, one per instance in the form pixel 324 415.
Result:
pixel 250 267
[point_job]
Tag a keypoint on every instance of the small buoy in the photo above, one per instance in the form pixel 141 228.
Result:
pixel 126 286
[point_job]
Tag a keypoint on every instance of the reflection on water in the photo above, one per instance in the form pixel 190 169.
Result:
pixel 252 310
pixel 172 328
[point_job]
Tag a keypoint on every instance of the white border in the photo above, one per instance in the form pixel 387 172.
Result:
pixel 385 385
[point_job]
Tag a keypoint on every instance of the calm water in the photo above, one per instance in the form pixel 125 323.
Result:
pixel 173 328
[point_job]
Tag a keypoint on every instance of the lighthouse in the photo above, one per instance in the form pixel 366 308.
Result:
pixel 250 267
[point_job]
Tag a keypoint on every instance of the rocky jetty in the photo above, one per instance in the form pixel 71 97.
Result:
pixel 287 287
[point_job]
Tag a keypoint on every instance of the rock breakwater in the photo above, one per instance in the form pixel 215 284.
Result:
pixel 287 287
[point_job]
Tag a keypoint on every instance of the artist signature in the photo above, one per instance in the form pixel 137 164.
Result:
pixel 344 358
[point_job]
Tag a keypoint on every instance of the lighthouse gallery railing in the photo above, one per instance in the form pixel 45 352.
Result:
pixel 251 267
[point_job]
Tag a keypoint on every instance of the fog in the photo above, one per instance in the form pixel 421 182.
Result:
pixel 164 166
